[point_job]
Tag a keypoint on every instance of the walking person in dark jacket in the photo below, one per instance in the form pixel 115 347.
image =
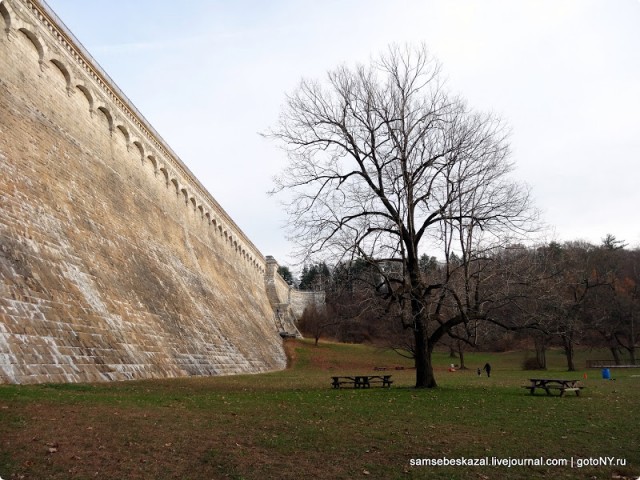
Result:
pixel 487 368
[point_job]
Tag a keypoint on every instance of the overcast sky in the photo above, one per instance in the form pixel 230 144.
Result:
pixel 210 74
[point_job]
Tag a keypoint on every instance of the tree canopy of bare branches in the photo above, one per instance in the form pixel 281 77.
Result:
pixel 384 164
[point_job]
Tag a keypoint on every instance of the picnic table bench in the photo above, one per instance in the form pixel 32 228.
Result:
pixel 551 384
pixel 362 381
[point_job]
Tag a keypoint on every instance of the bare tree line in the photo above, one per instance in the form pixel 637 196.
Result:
pixel 555 295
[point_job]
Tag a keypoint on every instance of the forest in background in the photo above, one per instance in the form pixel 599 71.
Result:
pixel 568 295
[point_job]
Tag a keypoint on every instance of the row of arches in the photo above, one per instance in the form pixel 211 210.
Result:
pixel 84 79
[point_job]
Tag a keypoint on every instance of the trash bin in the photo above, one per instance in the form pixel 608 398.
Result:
pixel 606 374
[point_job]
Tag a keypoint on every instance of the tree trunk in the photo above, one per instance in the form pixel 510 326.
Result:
pixel 632 353
pixel 632 349
pixel 568 351
pixel 461 355
pixel 419 317
pixel 616 354
pixel 424 367
pixel 541 352
pixel 541 357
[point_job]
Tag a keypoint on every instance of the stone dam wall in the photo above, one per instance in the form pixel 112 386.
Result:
pixel 115 262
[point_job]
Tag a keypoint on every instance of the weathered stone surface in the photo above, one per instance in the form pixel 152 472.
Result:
pixel 115 263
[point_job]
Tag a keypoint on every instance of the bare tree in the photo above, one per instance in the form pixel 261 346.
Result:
pixel 568 308
pixel 613 311
pixel 316 321
pixel 384 165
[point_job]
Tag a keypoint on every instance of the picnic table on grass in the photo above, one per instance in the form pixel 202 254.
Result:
pixel 553 384
pixel 361 381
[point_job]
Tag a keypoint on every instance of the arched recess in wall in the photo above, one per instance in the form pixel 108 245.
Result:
pixel 35 42
pixel 154 163
pixel 87 94
pixel 165 174
pixel 140 148
pixel 108 116
pixel 4 13
pixel 65 73
pixel 185 194
pixel 125 133
pixel 176 185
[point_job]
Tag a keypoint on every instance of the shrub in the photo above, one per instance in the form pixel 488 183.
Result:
pixel 531 363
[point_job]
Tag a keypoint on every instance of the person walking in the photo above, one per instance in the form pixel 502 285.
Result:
pixel 487 368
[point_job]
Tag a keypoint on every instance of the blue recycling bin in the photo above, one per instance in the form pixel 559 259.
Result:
pixel 606 374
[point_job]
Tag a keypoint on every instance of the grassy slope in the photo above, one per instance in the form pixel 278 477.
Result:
pixel 291 424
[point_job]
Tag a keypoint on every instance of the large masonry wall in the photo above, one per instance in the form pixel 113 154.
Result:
pixel 115 263
pixel 299 300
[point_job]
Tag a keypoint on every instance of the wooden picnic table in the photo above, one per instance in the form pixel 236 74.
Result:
pixel 361 381
pixel 551 384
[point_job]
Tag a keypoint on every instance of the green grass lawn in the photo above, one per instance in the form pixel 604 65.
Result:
pixel 291 424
